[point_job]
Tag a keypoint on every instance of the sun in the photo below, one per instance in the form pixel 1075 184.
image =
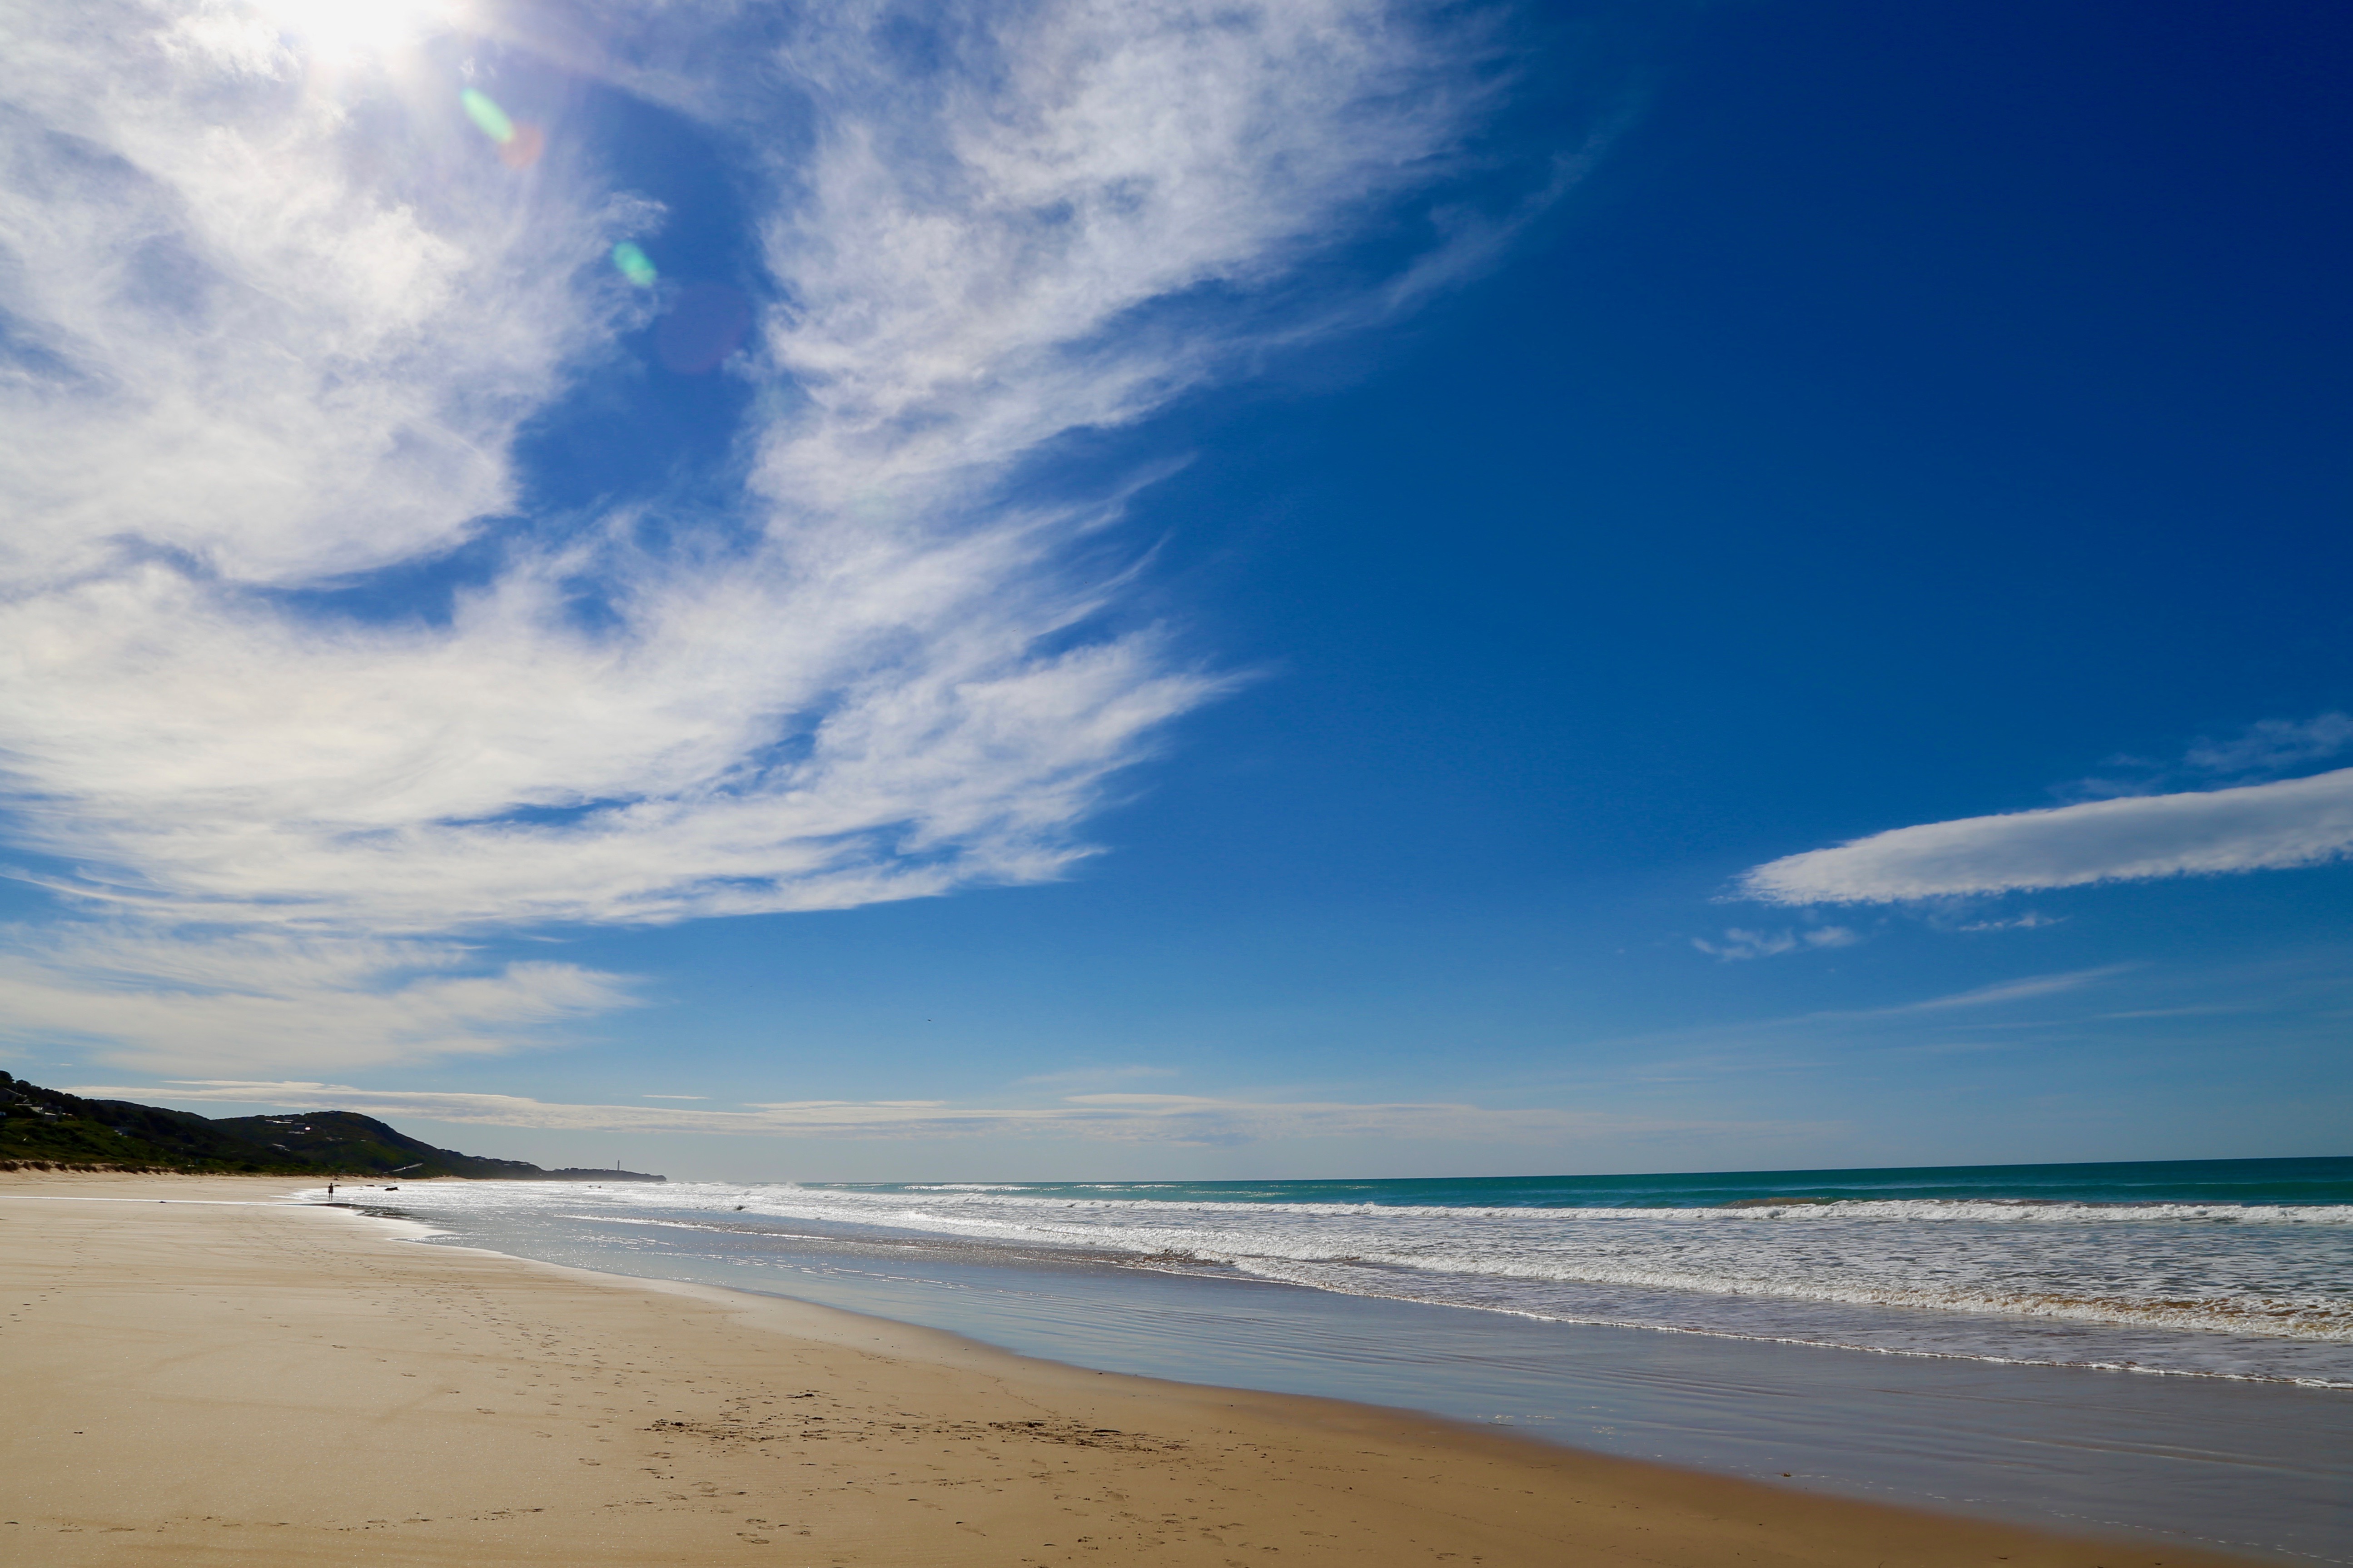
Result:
pixel 333 30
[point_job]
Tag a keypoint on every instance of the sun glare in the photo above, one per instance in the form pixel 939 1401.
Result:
pixel 339 29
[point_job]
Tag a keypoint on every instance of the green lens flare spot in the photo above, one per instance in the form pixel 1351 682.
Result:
pixel 633 264
pixel 488 115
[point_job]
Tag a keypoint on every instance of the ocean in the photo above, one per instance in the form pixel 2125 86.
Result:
pixel 2162 1348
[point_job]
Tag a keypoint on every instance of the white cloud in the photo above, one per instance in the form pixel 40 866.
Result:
pixel 2272 745
pixel 2032 920
pixel 2263 750
pixel 235 340
pixel 1739 944
pixel 1094 1077
pixel 168 1002
pixel 1825 1039
pixel 1128 1118
pixel 1999 994
pixel 975 243
pixel 270 324
pixel 2294 822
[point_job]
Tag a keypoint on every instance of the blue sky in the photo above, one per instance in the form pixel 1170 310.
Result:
pixel 1168 590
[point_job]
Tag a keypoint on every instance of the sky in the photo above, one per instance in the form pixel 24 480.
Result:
pixel 1072 590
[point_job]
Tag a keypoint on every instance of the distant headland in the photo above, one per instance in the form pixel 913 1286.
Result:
pixel 49 1130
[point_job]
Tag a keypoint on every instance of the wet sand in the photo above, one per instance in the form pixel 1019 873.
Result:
pixel 215 1378
pixel 2255 1468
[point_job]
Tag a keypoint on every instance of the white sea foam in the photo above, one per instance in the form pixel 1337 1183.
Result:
pixel 2245 1292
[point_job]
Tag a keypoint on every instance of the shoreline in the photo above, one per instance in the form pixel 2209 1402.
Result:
pixel 2255 1469
pixel 201 1373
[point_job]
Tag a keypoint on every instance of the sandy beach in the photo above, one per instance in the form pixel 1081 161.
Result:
pixel 199 1375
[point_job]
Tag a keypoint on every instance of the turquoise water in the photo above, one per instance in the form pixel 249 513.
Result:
pixel 2298 1181
pixel 2224 1268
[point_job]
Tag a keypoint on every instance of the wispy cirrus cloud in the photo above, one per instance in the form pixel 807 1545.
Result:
pixel 273 323
pixel 1125 1118
pixel 170 1002
pixel 2032 920
pixel 232 344
pixel 2289 823
pixel 1077 1078
pixel 2261 750
pixel 2031 988
pixel 2025 1007
pixel 1738 943
pixel 2273 745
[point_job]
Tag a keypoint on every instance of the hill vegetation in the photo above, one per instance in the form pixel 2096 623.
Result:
pixel 48 1129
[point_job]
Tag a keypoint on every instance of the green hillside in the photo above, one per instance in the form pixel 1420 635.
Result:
pixel 50 1128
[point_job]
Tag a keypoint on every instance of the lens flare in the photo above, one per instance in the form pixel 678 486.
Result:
pixel 632 264
pixel 521 150
pixel 520 144
pixel 484 112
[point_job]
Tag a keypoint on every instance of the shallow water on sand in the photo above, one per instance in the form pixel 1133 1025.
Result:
pixel 2259 1466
